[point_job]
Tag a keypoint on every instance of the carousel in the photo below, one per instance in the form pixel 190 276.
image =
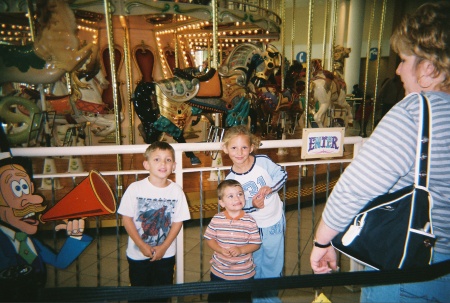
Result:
pixel 92 73
pixel 128 72
pixel 112 73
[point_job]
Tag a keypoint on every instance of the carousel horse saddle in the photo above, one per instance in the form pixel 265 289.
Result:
pixel 179 90
pixel 185 86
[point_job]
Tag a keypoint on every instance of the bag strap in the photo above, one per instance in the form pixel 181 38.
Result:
pixel 423 143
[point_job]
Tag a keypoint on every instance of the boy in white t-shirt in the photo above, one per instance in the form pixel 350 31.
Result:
pixel 153 211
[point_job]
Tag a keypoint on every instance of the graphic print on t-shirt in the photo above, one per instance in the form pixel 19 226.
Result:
pixel 155 216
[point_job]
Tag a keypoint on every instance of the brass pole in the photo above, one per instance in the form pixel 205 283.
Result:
pixel 283 38
pixel 109 31
pixel 176 48
pixel 127 54
pixel 369 38
pixel 30 19
pixel 293 33
pixel 380 40
pixel 325 30
pixel 215 37
pixel 333 35
pixel 308 61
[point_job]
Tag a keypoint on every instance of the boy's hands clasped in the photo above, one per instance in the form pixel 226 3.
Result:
pixel 158 253
pixel 232 251
pixel 258 199
pixel 155 253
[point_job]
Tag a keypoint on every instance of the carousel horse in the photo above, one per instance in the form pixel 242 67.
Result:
pixel 88 85
pixel 328 89
pixel 170 104
pixel 84 105
pixel 273 104
pixel 54 52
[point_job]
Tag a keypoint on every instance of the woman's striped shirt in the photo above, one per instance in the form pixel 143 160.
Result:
pixel 386 163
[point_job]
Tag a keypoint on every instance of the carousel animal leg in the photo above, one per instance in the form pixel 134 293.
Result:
pixel 343 102
pixel 253 120
pixel 193 158
pixel 319 116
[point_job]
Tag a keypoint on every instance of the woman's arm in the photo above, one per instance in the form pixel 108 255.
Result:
pixel 323 260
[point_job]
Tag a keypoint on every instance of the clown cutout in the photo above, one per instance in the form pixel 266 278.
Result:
pixel 22 256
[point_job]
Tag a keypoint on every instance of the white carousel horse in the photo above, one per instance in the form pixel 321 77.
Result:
pixel 329 89
pixel 89 106
pixel 54 52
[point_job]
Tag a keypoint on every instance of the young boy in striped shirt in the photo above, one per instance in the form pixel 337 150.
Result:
pixel 234 236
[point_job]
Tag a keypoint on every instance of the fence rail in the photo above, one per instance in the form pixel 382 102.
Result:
pixel 181 173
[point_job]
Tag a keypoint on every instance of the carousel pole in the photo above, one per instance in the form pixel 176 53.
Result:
pixel 325 32
pixel 380 40
pixel 126 48
pixel 362 130
pixel 109 30
pixel 308 60
pixel 282 151
pixel 217 162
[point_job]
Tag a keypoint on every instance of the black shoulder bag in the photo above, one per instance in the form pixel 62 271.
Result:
pixel 395 230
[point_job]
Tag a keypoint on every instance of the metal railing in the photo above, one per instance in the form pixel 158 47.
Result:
pixel 297 190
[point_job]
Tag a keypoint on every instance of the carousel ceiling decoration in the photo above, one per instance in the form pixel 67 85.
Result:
pixel 164 12
pixel 192 21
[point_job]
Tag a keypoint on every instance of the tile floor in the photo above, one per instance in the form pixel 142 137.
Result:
pixel 112 268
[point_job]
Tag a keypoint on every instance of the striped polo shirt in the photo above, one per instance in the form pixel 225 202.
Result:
pixel 228 232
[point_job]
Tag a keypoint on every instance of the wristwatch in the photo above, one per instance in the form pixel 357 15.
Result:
pixel 317 244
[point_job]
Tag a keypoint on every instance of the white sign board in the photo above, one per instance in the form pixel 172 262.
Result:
pixel 323 142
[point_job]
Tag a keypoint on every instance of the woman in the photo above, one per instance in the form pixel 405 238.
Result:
pixel 386 161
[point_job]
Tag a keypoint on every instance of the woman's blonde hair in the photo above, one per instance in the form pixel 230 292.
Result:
pixel 241 130
pixel 426 34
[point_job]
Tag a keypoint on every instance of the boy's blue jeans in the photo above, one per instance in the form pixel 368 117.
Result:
pixel 437 290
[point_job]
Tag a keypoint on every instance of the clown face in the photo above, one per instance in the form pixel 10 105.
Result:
pixel 18 204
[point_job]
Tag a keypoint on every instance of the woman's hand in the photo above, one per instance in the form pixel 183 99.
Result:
pixel 323 260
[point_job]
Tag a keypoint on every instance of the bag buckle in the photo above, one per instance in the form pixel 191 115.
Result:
pixel 354 230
